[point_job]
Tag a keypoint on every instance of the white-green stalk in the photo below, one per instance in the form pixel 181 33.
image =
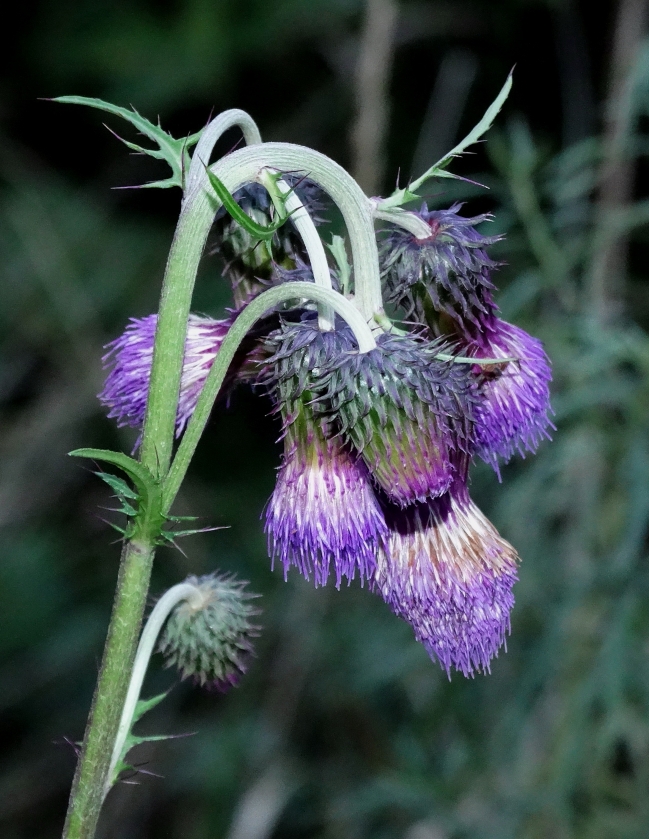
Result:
pixel 292 204
pixel 309 234
pixel 157 618
pixel 402 218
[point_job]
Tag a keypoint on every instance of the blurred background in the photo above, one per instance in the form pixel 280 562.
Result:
pixel 343 727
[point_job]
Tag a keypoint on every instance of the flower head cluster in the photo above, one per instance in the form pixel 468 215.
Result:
pixel 377 445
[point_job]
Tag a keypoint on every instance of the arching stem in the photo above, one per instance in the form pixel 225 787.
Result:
pixel 238 168
pixel 155 622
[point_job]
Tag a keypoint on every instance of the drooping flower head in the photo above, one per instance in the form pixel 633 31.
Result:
pixel 129 359
pixel 447 273
pixel 210 637
pixel 323 514
pixel 403 409
pixel 249 262
pixel 447 571
pixel 445 282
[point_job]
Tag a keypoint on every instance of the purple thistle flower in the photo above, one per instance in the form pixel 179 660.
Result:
pixel 323 510
pixel 404 411
pixel 129 360
pixel 512 415
pixel 447 571
pixel 445 281
pixel 448 271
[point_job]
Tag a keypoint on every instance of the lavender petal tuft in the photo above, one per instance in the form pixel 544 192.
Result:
pixel 323 513
pixel 129 359
pixel 446 570
pixel 513 415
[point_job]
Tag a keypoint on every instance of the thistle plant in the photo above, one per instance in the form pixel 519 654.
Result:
pixel 380 418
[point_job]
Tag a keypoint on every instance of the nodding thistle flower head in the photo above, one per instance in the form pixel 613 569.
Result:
pixel 445 281
pixel 209 636
pixel 402 409
pixel 446 570
pixel 323 514
pixel 249 262
pixel 448 272
pixel 129 360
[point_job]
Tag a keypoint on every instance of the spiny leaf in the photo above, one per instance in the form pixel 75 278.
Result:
pixel 121 488
pixel 475 134
pixel 144 481
pixel 142 707
pixel 173 151
pixel 170 535
pixel 437 170
pixel 145 705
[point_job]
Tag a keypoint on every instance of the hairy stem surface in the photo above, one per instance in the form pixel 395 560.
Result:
pixel 94 761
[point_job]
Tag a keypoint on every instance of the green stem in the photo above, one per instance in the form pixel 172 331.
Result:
pixel 92 769
pixel 234 118
pixel 286 200
pixel 92 777
pixel 239 329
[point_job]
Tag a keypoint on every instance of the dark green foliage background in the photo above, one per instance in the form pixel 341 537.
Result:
pixel 343 727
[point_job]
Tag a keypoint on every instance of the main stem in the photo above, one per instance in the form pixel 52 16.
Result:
pixel 119 653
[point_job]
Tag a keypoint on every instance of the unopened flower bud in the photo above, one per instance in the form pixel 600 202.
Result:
pixel 209 636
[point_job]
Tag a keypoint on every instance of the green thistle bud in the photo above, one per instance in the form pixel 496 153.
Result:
pixel 209 636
